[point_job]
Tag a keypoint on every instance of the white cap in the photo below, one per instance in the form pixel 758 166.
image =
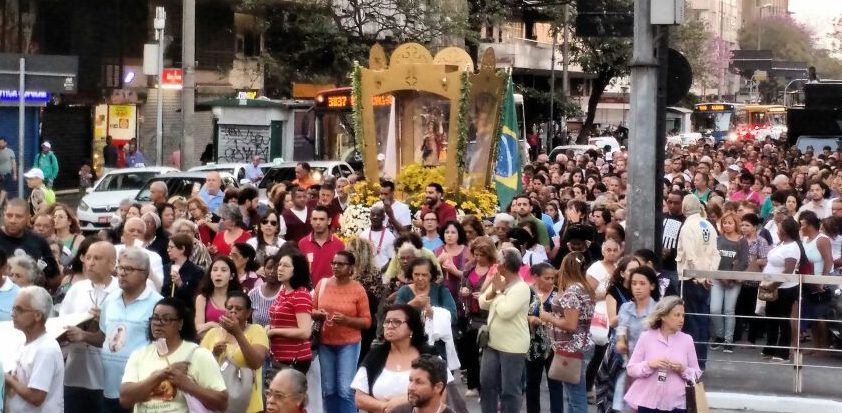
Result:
pixel 706 159
pixel 34 173
pixel 734 168
pixel 381 156
pixel 46 144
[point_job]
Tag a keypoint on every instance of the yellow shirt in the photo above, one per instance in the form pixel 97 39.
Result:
pixel 508 330
pixel 256 335
pixel 165 399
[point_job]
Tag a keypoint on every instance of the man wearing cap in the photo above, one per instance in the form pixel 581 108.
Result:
pixel 41 196
pixel 47 162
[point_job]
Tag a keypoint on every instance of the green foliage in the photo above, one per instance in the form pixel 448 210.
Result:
pixel 606 58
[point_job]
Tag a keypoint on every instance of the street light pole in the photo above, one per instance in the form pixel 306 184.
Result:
pixel 548 144
pixel 188 92
pixel 159 23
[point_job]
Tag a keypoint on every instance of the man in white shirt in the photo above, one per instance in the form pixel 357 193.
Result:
pixel 133 232
pixel 818 200
pixel 380 237
pixel 83 368
pixel 36 382
pixel 397 213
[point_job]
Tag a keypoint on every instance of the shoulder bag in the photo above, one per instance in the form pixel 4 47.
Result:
pixel 566 367
pixel 195 405
pixel 317 325
pixel 239 381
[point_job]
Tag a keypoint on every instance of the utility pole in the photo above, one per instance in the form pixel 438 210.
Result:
pixel 188 92
pixel 644 182
pixel 565 65
pixel 551 128
pixel 159 23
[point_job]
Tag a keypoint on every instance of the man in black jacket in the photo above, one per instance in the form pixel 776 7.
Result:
pixel 16 235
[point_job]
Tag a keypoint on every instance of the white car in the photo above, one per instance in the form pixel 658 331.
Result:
pixel 103 199
pixel 285 171
pixel 237 170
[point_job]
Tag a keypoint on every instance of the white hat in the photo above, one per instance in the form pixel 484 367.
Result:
pixel 34 173
pixel 734 168
pixel 381 156
pixel 706 159
pixel 46 144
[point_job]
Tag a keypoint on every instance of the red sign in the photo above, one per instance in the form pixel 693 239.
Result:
pixel 172 78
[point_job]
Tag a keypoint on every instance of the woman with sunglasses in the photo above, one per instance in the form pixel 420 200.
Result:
pixel 342 304
pixel 238 341
pixel 268 237
pixel 159 374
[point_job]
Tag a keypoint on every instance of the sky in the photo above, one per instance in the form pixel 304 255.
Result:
pixel 818 15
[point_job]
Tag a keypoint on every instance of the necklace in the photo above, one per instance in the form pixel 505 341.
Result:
pixel 380 243
pixel 439 410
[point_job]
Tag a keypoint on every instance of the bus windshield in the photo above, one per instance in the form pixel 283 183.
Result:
pixel 712 121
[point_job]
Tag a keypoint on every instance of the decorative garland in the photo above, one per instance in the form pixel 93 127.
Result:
pixel 357 104
pixel 462 121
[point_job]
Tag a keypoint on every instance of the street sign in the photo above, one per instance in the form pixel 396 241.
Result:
pixel 172 79
pixel 48 73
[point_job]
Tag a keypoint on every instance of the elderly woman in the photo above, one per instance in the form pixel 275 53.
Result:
pixel 166 212
pixel 199 254
pixel 24 271
pixel 183 279
pixel 159 374
pixel 663 360
pixel 207 224
pixel 231 230
pixel 425 292
pixel 155 238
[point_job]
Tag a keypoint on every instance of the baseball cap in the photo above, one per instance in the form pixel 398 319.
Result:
pixel 47 144
pixel 34 173
pixel 734 168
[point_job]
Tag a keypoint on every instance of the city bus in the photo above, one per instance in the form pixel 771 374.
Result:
pixel 762 121
pixel 716 120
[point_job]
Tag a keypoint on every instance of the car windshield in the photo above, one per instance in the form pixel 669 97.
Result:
pixel 124 181
pixel 287 173
pixel 175 187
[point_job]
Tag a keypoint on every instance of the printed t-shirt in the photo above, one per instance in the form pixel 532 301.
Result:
pixel 41 367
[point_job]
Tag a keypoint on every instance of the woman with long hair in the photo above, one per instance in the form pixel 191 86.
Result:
pixel 453 256
pixel 540 354
pixel 243 256
pixel 782 259
pixel 198 212
pixel 269 236
pixel 66 227
pixel 733 253
pixel 166 212
pixel 159 374
pixel 290 316
pixel 75 271
pixel 662 362
pixel 473 228
pixel 471 317
pixel 758 249
pixel 571 322
pixel 213 291
pixel 817 249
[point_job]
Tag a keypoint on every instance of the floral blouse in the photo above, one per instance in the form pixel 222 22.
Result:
pixel 579 341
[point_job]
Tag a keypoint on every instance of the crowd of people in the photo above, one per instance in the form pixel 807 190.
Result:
pixel 249 305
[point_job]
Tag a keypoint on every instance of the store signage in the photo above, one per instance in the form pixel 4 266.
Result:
pixel 30 96
pixel 171 79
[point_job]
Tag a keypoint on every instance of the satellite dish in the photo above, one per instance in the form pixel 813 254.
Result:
pixel 679 77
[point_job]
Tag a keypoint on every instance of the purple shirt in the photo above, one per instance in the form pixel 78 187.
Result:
pixel 661 390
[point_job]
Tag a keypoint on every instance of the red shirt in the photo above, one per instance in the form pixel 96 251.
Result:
pixel 225 249
pixel 444 212
pixel 320 256
pixel 282 315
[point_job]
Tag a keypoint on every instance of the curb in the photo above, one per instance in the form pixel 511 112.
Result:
pixel 771 403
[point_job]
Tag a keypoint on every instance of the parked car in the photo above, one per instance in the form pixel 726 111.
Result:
pixel 103 198
pixel 182 183
pixel 286 171
pixel 577 150
pixel 602 141
pixel 237 170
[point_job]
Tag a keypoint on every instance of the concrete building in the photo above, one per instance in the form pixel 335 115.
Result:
pixel 752 8
pixel 723 19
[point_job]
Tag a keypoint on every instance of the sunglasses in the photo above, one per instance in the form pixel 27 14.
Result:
pixel 268 222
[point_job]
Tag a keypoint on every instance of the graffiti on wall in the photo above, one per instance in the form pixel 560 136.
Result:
pixel 238 143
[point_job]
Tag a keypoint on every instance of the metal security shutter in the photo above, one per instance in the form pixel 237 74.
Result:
pixel 69 131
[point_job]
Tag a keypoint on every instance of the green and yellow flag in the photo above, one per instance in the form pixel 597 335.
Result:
pixel 507 173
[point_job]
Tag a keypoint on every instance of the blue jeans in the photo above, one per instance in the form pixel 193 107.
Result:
pixel 501 379
pixel 697 300
pixel 723 300
pixel 339 365
pixel 576 395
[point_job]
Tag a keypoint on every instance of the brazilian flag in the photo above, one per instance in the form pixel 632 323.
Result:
pixel 507 173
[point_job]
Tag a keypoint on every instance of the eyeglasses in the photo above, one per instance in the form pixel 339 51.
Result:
pixel 268 222
pixel 338 264
pixel 126 268
pixel 393 322
pixel 276 395
pixel 20 310
pixel 162 320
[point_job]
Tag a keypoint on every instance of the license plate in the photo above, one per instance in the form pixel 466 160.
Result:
pixel 105 219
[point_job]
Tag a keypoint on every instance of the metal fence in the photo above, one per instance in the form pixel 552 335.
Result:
pixel 796 350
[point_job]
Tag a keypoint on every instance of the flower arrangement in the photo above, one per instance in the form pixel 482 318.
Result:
pixel 413 179
pixel 365 193
pixel 354 220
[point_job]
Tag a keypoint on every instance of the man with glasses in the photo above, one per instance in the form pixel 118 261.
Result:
pixel 36 382
pixel 133 233
pixel 123 322
pixel 83 368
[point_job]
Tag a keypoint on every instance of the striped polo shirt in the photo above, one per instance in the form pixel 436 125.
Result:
pixel 282 315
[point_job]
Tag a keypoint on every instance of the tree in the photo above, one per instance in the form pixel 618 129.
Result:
pixel 606 58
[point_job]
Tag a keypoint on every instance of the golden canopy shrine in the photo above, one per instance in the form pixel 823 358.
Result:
pixel 435 111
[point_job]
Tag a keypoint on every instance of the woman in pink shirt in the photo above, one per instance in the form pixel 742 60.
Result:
pixel 664 359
